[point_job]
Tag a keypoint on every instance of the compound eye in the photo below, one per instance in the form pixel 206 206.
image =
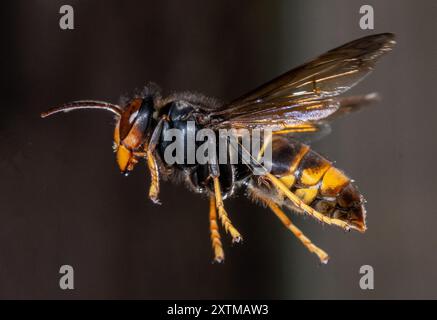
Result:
pixel 137 116
pixel 128 117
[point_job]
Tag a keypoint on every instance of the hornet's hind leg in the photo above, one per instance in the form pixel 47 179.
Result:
pixel 282 188
pixel 323 256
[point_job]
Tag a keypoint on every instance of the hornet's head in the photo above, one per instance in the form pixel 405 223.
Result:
pixel 133 126
pixel 131 132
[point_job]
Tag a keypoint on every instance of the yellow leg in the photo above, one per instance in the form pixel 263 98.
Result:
pixel 302 205
pixel 154 174
pixel 323 256
pixel 226 222
pixel 296 129
pixel 263 148
pixel 219 255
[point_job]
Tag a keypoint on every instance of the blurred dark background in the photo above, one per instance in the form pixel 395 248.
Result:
pixel 63 200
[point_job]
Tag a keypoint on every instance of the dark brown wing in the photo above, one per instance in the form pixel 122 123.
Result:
pixel 307 93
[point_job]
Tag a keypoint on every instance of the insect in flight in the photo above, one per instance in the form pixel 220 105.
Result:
pixel 297 104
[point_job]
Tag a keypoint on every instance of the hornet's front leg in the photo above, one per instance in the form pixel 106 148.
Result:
pixel 151 161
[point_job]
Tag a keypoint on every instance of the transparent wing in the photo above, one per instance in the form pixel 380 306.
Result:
pixel 313 131
pixel 307 93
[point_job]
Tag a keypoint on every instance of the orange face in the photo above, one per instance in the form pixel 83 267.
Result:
pixel 125 157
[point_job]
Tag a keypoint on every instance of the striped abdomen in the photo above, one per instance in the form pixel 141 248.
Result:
pixel 317 182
